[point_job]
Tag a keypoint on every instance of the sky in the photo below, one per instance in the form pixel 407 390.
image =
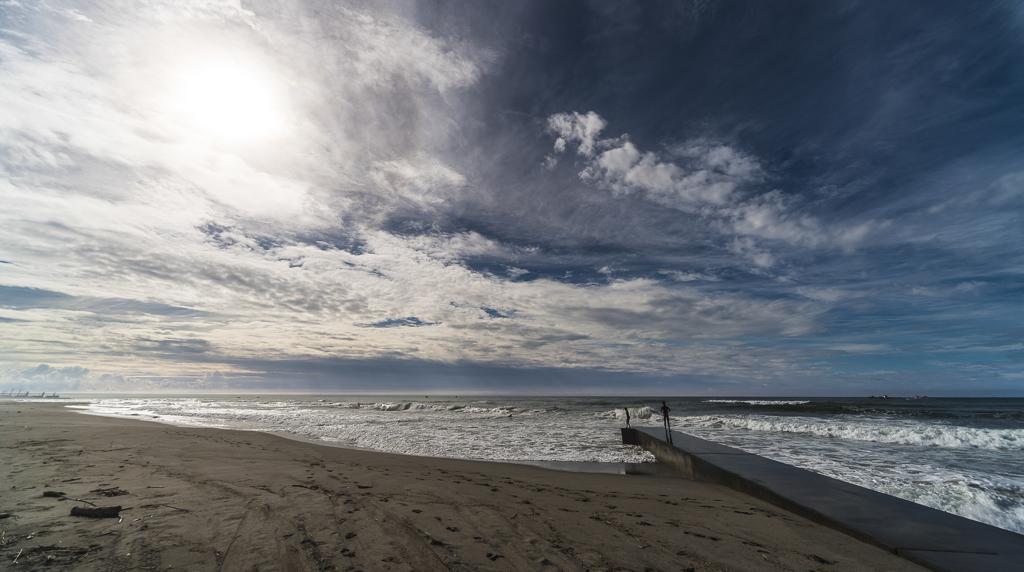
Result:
pixel 515 197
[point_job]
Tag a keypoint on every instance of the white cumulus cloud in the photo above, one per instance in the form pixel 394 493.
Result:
pixel 709 179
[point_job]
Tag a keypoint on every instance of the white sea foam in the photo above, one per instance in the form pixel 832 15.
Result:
pixel 925 476
pixel 905 432
pixel 756 401
pixel 430 429
pixel 634 413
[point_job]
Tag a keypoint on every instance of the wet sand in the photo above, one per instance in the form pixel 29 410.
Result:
pixel 208 499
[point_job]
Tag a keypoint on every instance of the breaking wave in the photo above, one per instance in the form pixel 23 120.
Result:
pixel 634 413
pixel 756 401
pixel 906 433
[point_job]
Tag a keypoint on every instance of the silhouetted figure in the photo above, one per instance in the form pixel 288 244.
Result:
pixel 627 417
pixel 664 415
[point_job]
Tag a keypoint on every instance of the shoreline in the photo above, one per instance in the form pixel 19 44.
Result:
pixel 605 467
pixel 594 467
pixel 221 499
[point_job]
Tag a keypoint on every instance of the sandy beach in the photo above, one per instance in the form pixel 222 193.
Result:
pixel 208 499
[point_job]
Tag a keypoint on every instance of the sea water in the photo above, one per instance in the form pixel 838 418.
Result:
pixel 963 456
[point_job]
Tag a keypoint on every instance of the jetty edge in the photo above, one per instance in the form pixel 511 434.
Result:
pixel 929 537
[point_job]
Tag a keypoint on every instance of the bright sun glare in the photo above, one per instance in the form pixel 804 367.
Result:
pixel 229 101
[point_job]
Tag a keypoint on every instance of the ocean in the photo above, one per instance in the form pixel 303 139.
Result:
pixel 963 456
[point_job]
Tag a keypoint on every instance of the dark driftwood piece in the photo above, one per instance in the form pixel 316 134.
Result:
pixel 56 494
pixel 96 512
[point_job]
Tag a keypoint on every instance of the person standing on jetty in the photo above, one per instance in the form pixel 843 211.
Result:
pixel 626 409
pixel 664 416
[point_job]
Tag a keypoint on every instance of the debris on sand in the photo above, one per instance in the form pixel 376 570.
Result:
pixel 110 492
pixel 97 512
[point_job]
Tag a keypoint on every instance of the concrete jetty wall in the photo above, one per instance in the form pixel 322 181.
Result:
pixel 931 538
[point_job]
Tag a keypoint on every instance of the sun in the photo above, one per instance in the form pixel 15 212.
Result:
pixel 229 101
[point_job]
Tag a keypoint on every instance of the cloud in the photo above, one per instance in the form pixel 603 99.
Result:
pixel 420 181
pixel 380 47
pixel 970 286
pixel 411 322
pixel 945 291
pixel 695 174
pixel 581 130
pixel 399 210
pixel 238 298
pixel 747 248
pixel 689 276
pixel 493 313
pixel 770 216
pixel 212 380
pixel 705 178
pixel 44 377
pixel 160 212
pixel 370 84
pixel 1006 190
pixel 828 294
pixel 711 176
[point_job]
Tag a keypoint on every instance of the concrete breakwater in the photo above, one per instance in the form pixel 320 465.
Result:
pixel 931 538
